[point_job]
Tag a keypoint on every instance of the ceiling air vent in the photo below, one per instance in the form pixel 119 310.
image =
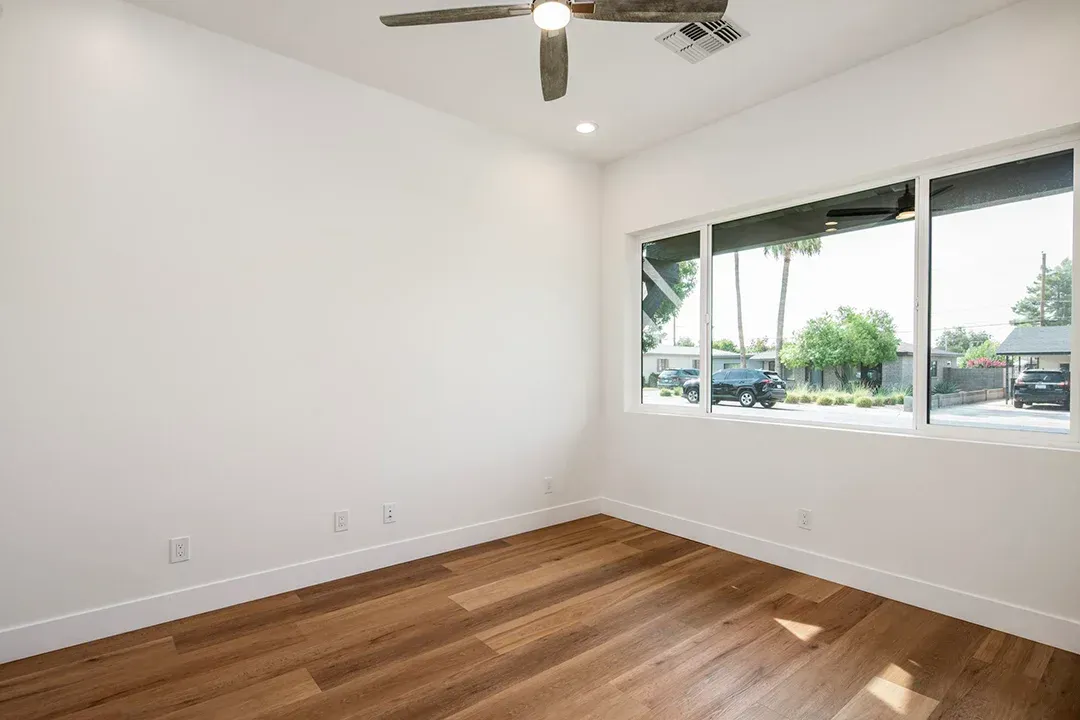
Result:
pixel 699 40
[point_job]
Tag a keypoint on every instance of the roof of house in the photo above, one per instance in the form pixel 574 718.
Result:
pixel 909 349
pixel 767 355
pixel 688 351
pixel 1037 341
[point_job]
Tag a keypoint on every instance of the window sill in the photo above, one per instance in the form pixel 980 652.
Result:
pixel 982 436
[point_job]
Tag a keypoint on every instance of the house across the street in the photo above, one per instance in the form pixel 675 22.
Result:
pixel 1046 348
pixel 676 357
pixel 895 373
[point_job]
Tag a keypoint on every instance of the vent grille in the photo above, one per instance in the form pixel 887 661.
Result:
pixel 696 41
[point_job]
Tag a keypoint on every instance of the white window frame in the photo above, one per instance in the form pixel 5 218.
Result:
pixel 923 173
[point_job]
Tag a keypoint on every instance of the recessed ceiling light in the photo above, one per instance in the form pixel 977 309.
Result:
pixel 585 128
pixel 830 223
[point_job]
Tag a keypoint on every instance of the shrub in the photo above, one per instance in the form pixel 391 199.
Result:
pixel 899 398
pixel 677 392
pixel 653 377
pixel 665 393
pixel 825 399
pixel 864 401
pixel 808 398
pixel 889 400
pixel 944 387
pixel 843 399
pixel 794 398
pixel 861 391
pixel 877 401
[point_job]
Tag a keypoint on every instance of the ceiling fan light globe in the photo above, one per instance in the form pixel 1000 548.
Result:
pixel 551 15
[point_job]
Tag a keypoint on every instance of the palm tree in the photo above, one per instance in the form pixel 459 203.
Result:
pixel 807 248
pixel 738 311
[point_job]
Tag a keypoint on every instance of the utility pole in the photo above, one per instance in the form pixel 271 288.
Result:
pixel 1042 294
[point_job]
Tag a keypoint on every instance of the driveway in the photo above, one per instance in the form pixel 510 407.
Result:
pixel 994 414
pixel 1003 416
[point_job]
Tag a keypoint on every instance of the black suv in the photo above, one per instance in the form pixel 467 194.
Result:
pixel 675 378
pixel 746 386
pixel 1042 386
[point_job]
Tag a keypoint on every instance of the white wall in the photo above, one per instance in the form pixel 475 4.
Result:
pixel 988 520
pixel 238 293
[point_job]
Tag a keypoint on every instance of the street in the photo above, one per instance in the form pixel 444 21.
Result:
pixel 995 414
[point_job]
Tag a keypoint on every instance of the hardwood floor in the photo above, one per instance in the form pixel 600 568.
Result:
pixel 596 618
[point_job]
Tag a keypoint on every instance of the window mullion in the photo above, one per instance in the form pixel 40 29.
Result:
pixel 705 329
pixel 923 342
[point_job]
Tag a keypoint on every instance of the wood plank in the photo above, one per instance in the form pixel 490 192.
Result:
pixel 822 688
pixel 544 575
pixel 387 684
pixel 253 701
pixel 760 712
pixel 885 700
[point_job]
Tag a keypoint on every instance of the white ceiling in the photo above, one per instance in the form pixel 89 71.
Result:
pixel 638 91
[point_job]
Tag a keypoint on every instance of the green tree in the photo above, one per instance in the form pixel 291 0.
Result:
pixel 682 278
pixel 984 350
pixel 685 342
pixel 959 339
pixel 807 248
pixel 1058 298
pixel 841 339
pixel 725 344
pixel 758 345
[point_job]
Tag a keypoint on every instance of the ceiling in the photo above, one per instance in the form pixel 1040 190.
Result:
pixel 639 92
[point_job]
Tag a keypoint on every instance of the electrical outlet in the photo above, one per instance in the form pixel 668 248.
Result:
pixel 341 521
pixel 806 520
pixel 549 485
pixel 179 549
pixel 389 513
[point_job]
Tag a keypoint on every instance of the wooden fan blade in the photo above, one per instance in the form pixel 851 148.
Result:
pixel 456 15
pixel 554 63
pixel 655 11
pixel 860 212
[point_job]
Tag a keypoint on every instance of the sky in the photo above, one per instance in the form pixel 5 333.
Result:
pixel 983 261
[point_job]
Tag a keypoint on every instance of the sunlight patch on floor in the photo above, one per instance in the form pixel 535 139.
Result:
pixel 887 697
pixel 803 631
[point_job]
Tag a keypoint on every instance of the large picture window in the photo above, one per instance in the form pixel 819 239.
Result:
pixel 939 304
pixel 813 311
pixel 1001 242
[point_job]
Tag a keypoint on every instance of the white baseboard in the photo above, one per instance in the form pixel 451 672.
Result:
pixel 1034 625
pixel 46 635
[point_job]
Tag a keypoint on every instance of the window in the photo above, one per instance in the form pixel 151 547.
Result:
pixel 808 314
pixel 669 316
pixel 1001 241
pixel 824 289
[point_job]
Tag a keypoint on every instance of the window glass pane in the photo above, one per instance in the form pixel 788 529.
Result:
pixel 822 295
pixel 1001 295
pixel 670 319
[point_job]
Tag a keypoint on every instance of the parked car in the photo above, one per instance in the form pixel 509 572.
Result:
pixel 1042 386
pixel 675 377
pixel 746 386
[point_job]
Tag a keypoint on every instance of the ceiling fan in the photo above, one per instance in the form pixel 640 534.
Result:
pixel 552 17
pixel 903 210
